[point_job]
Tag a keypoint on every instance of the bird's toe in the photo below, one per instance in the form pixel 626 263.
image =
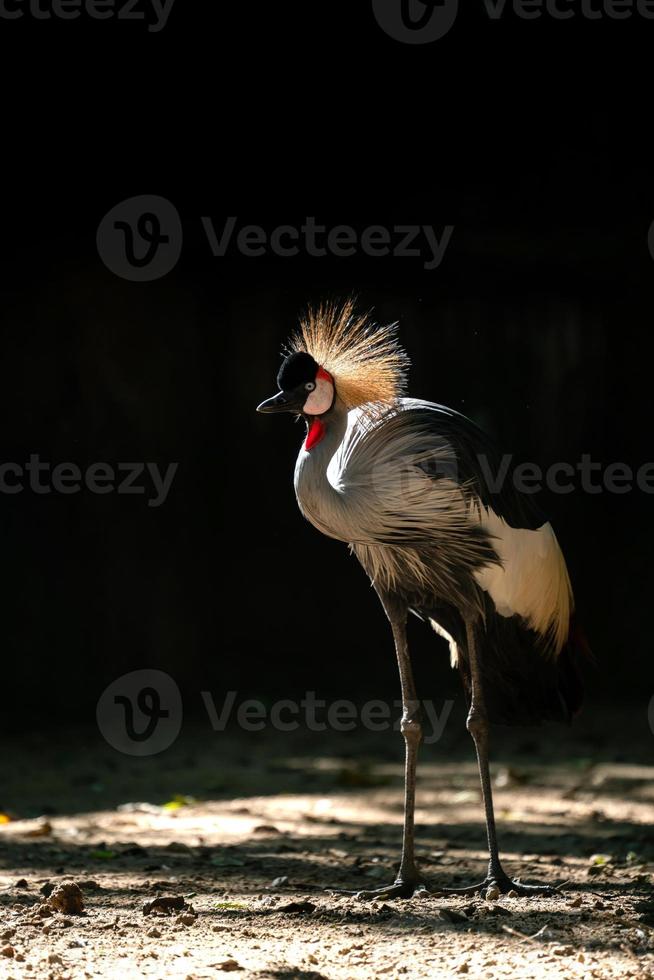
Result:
pixel 399 889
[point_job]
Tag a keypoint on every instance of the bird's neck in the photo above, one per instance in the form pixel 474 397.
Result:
pixel 317 497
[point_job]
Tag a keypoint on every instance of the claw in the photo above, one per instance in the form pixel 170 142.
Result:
pixel 399 889
pixel 505 885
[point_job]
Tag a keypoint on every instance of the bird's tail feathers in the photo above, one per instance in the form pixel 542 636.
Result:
pixel 521 686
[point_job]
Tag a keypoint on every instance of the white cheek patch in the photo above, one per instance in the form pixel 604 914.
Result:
pixel 320 399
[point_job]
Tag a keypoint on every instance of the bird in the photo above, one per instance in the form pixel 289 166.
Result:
pixel 406 484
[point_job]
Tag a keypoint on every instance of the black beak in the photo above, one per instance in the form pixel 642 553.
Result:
pixel 283 401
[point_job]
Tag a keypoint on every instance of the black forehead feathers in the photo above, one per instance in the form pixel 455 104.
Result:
pixel 296 369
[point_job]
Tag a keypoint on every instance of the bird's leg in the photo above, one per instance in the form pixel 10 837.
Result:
pixel 408 879
pixel 477 725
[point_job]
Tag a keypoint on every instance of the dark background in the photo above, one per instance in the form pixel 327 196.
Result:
pixel 531 138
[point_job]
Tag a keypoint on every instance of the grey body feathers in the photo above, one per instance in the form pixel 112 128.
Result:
pixel 403 487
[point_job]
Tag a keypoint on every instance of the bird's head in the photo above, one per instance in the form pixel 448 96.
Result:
pixel 337 361
pixel 305 387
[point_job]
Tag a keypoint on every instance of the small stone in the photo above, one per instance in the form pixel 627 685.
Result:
pixel 462 968
pixel 575 902
pixel 67 898
pixel 55 958
pixel 228 965
pixel 563 950
pixel 496 910
pixel 187 919
pixel 7 934
pixel 280 882
pixel 165 905
pixel 39 828
pixel 451 915
pixel 21 883
pixel 44 911
pixel 7 951
pixel 154 933
pixel 512 894
pixel 492 893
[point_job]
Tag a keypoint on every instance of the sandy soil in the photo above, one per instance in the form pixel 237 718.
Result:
pixel 264 825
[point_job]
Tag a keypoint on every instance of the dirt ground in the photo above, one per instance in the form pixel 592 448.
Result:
pixel 246 833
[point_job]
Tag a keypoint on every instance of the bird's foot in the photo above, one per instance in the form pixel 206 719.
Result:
pixel 503 885
pixel 401 888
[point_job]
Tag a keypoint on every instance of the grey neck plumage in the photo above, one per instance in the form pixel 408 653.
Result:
pixel 319 501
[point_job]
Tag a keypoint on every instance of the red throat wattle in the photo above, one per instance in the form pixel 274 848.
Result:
pixel 317 427
pixel 315 434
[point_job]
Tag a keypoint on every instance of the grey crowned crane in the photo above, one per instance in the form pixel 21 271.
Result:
pixel 405 483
